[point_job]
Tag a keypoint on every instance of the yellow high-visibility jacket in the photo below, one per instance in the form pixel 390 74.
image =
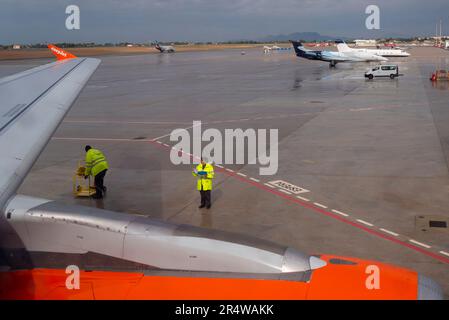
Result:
pixel 95 162
pixel 204 181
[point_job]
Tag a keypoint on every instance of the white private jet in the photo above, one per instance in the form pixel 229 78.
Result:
pixel 344 48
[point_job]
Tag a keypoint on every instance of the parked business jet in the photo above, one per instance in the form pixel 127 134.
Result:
pixel 46 245
pixel 334 57
pixel 344 48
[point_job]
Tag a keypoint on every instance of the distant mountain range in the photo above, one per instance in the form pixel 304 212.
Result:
pixel 315 36
pixel 305 36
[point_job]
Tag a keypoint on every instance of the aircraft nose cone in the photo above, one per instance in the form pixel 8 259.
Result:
pixel 428 289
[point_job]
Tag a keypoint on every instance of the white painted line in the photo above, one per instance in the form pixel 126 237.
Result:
pixel 168 134
pixel 219 166
pixel 420 244
pixel 390 232
pixel 122 122
pixel 257 180
pixel 160 142
pixel 101 139
pixel 229 170
pixel 269 185
pixel 445 253
pixel 165 145
pixel 366 223
pixel 281 190
pixel 302 198
pixel 241 174
pixel 340 213
pixel 320 205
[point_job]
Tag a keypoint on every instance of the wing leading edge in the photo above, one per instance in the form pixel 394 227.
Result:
pixel 33 103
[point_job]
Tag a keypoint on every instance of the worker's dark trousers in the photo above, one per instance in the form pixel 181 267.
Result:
pixel 99 183
pixel 205 198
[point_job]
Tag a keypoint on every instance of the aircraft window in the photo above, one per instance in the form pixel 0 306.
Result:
pixel 377 68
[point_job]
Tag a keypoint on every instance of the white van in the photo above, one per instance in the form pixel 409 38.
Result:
pixel 383 70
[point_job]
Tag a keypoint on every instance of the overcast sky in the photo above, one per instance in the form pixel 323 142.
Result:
pixel 31 21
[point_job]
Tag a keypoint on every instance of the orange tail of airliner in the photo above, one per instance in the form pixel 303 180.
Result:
pixel 60 53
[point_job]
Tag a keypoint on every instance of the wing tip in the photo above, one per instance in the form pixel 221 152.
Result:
pixel 60 54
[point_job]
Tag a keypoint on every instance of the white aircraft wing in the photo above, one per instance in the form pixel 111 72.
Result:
pixel 33 103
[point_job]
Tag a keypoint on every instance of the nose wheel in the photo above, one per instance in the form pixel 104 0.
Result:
pixel 332 64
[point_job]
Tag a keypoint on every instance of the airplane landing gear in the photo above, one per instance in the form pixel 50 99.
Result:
pixel 332 64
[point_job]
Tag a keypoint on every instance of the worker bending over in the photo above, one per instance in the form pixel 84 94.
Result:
pixel 205 173
pixel 96 166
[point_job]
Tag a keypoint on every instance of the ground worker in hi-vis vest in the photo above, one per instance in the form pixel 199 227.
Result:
pixel 96 165
pixel 204 173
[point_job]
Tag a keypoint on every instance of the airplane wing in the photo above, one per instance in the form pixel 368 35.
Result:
pixel 33 104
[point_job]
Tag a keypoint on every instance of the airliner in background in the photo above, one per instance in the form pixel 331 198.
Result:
pixel 164 49
pixel 125 256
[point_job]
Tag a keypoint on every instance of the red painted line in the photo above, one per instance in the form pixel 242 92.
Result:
pixel 328 213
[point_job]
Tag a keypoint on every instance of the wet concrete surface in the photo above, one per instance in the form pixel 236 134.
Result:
pixel 376 150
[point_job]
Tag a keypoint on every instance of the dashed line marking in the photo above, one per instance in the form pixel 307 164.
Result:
pixel 340 213
pixel 328 213
pixel 390 232
pixel 420 243
pixel 365 223
pixel 320 205
pixel 284 191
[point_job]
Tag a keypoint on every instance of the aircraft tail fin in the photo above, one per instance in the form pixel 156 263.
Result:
pixel 342 46
pixel 158 46
pixel 60 53
pixel 298 48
